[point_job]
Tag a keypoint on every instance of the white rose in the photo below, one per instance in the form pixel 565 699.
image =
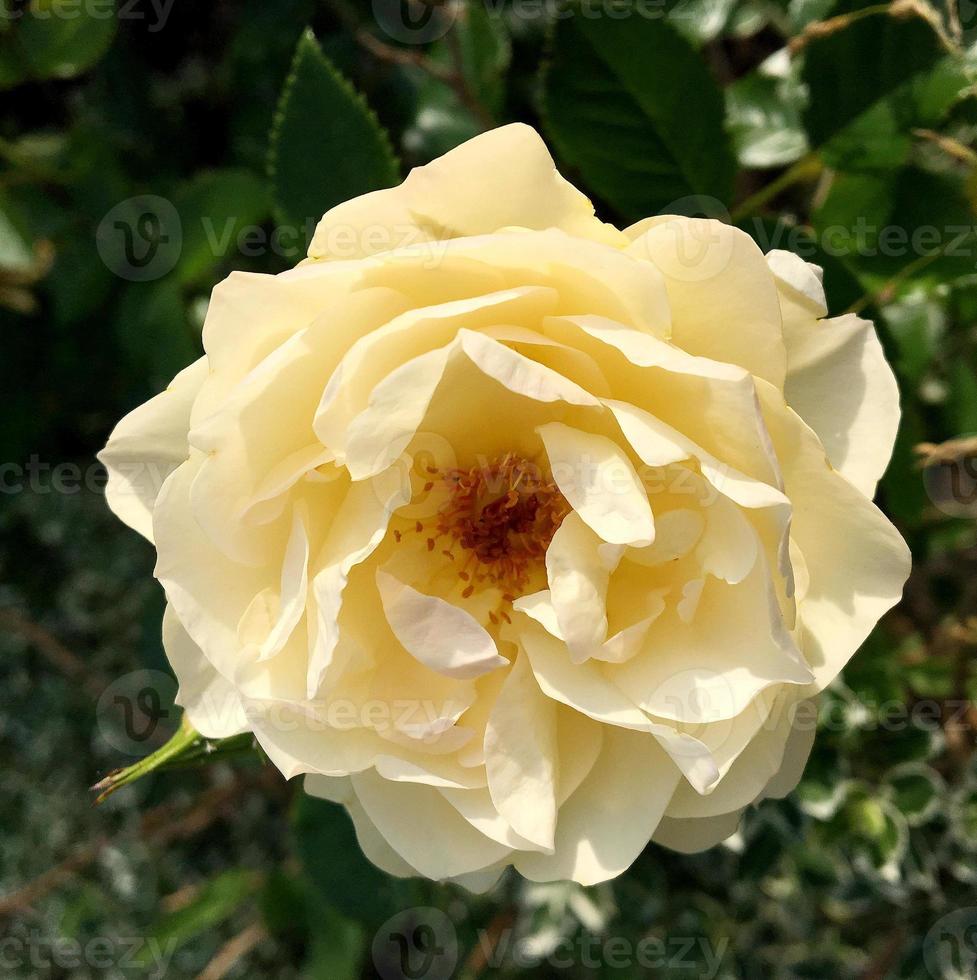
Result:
pixel 522 536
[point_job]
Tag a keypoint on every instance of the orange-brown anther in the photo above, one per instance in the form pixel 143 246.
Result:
pixel 504 513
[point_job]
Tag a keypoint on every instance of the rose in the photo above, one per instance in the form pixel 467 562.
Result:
pixel 524 537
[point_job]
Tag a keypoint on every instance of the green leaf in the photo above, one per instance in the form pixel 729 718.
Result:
pixel 764 115
pixel 16 247
pixel 701 21
pixel 56 39
pixel 880 138
pixel 962 398
pixel 442 121
pixel 917 791
pixel 484 53
pixel 335 866
pixel 440 124
pixel 152 332
pixel 917 326
pixel 631 104
pixel 326 144
pixel 849 70
pixel 216 902
pixel 337 948
pixel 215 208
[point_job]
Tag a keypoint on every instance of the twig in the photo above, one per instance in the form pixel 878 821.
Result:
pixel 380 49
pixel 807 168
pixel 52 879
pixel 951 451
pixel 159 826
pixel 52 649
pixel 233 950
pixel 457 81
pixel 454 77
pixel 882 966
pixel 888 288
pixel 953 148
pixel 484 950
pixel 899 9
pixel 825 28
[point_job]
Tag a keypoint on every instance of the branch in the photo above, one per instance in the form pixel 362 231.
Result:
pixel 233 950
pixel 159 826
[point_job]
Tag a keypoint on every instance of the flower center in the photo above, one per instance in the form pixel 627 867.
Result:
pixel 504 514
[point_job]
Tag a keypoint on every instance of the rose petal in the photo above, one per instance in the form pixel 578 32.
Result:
pixel 521 757
pixel 600 484
pixel 440 635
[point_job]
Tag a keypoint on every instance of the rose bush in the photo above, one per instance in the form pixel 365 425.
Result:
pixel 521 536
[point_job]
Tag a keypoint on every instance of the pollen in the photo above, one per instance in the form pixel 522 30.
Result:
pixel 502 515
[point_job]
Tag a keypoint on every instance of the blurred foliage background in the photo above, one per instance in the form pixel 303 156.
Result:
pixel 148 148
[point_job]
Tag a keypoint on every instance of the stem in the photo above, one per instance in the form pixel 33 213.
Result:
pixel 807 168
pixel 184 738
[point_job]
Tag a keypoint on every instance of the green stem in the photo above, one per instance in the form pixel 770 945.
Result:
pixel 183 740
pixel 805 169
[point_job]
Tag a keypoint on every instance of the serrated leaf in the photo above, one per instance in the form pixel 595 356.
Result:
pixel 880 138
pixel 327 146
pixel 632 105
pixel 854 67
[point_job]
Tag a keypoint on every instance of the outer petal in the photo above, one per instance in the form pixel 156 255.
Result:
pixel 722 293
pixel 505 177
pixel 838 379
pixel 208 591
pixel 422 827
pixel 211 702
pixel 607 822
pixel 710 669
pixel 759 763
pixel 146 446
pixel 689 836
pixel 856 560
